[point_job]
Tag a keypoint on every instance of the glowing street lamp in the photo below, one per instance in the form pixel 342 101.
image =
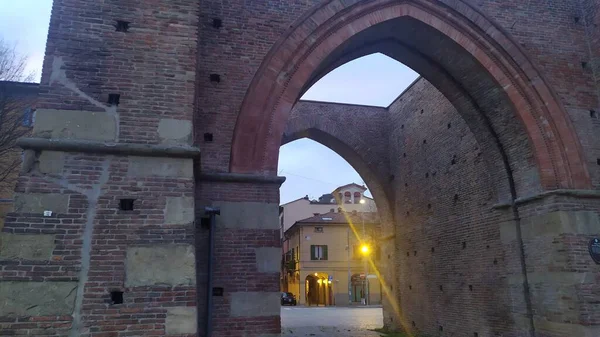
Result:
pixel 364 249
pixel 362 201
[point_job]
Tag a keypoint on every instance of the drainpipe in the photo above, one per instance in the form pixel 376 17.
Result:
pixel 212 212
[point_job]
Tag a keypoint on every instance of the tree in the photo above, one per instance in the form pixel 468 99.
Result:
pixel 13 105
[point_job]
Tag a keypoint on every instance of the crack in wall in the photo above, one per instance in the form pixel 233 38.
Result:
pixel 59 75
pixel 92 195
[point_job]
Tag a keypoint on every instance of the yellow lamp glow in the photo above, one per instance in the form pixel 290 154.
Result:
pixel 316 274
pixel 319 281
pixel 362 201
pixel 329 281
pixel 364 249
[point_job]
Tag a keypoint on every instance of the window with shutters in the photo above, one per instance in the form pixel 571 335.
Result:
pixel 318 252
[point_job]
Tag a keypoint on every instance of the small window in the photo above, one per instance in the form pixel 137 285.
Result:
pixel 332 210
pixel 28 117
pixel 319 229
pixel 357 197
pixel 126 204
pixel 116 297
pixel 318 252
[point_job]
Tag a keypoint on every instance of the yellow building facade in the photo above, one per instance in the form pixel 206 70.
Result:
pixel 324 263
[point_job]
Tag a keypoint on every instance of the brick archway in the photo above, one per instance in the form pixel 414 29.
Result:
pixel 292 62
pixel 309 120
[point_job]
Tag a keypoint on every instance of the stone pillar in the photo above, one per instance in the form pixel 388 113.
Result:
pixel 563 280
pixel 247 257
pixel 101 241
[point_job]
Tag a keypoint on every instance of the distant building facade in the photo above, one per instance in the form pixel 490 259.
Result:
pixel 344 198
pixel 324 263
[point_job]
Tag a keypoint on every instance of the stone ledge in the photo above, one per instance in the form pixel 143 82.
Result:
pixel 143 150
pixel 555 279
pixel 242 178
pixel 586 194
pixel 566 329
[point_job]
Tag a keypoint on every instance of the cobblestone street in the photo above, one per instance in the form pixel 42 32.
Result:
pixel 331 322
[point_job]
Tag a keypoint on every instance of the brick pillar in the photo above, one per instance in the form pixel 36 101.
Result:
pixel 247 257
pixel 556 228
pixel 104 210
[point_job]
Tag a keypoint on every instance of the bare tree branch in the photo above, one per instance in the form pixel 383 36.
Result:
pixel 13 104
pixel 12 65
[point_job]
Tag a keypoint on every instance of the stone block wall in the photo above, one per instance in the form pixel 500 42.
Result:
pixel 89 248
pixel 102 238
pixel 247 257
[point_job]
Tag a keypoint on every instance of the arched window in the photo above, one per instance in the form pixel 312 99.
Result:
pixel 347 197
pixel 357 197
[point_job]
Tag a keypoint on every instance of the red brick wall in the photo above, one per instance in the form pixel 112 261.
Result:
pixel 446 234
pixel 144 308
pixel 161 68
pixel 235 267
pixel 234 51
pixel 152 66
pixel 558 44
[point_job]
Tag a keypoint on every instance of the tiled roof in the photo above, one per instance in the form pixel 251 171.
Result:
pixel 349 185
pixel 341 218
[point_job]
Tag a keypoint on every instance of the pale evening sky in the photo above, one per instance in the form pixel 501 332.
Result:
pixel 311 169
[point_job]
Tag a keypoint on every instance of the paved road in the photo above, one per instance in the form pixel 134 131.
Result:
pixel 331 322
